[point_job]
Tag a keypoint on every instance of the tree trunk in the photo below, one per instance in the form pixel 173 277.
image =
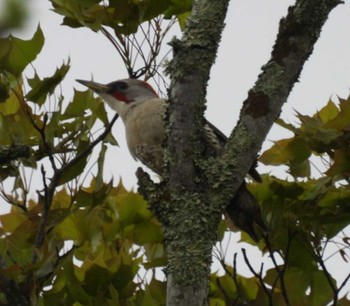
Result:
pixel 195 295
pixel 190 227
pixel 190 201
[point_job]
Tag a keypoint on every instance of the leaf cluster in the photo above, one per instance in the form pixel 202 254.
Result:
pixel 307 216
pixel 13 15
pixel 324 135
pixel 123 16
pixel 34 234
pixel 95 243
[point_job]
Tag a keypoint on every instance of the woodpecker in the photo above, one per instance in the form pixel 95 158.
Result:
pixel 142 112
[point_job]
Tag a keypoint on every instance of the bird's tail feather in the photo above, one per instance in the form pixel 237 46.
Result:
pixel 244 212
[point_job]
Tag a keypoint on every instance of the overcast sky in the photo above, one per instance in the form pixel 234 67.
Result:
pixel 246 45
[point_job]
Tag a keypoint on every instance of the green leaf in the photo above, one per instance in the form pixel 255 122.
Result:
pixel 301 254
pixel 132 208
pixel 328 112
pixel 182 18
pixel 42 88
pixel 96 278
pixel 309 123
pixel 293 152
pixel 178 7
pixel 77 167
pixel 101 192
pixel 114 296
pixel 71 228
pixel 13 15
pixel 341 164
pixel 216 302
pixel 341 121
pixel 321 292
pixel 222 228
pixel 84 198
pixel 82 101
pixel 147 232
pixel 12 220
pixel 20 242
pixel 228 286
pixel 15 125
pixel 249 287
pixel 79 10
pixel 73 171
pixel 99 111
pixel 123 16
pixel 277 154
pixel 155 254
pixel 297 281
pixel 298 150
pixel 157 290
pixel 11 105
pixel 16 53
pixel 73 286
pixel 300 169
pixel 4 92
pixel 100 165
pixel 286 125
pixel 344 301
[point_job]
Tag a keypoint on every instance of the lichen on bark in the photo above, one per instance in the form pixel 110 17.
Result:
pixel 189 201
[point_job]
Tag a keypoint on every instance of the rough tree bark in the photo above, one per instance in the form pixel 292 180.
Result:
pixel 190 200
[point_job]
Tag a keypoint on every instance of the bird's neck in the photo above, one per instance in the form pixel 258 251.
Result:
pixel 124 109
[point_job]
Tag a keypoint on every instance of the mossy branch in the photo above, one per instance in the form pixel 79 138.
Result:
pixel 298 33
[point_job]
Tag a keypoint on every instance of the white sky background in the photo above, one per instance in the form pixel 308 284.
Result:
pixel 246 45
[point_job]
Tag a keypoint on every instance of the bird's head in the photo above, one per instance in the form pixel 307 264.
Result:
pixel 121 94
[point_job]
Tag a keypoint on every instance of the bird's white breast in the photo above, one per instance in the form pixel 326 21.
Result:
pixel 145 132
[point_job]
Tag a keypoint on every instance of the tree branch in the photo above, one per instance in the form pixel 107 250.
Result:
pixel 49 190
pixel 190 225
pixel 329 278
pixel 298 33
pixel 258 276
pixel 196 189
pixel 189 71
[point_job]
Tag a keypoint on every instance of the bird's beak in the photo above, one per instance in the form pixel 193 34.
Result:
pixel 96 87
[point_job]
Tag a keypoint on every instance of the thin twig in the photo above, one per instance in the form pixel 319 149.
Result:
pixel 223 291
pixel 258 276
pixel 329 278
pixel 131 48
pixel 49 190
pixel 342 285
pixel 45 201
pixel 234 271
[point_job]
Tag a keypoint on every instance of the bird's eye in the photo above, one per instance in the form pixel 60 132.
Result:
pixel 117 86
pixel 122 85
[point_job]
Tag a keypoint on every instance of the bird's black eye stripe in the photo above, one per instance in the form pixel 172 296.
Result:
pixel 117 86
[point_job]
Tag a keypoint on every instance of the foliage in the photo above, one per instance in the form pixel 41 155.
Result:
pixel 13 15
pixel 95 236
pixel 307 217
pixel 135 28
pixel 123 16
pixel 94 243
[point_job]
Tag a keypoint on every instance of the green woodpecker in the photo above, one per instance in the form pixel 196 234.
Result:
pixel 142 112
